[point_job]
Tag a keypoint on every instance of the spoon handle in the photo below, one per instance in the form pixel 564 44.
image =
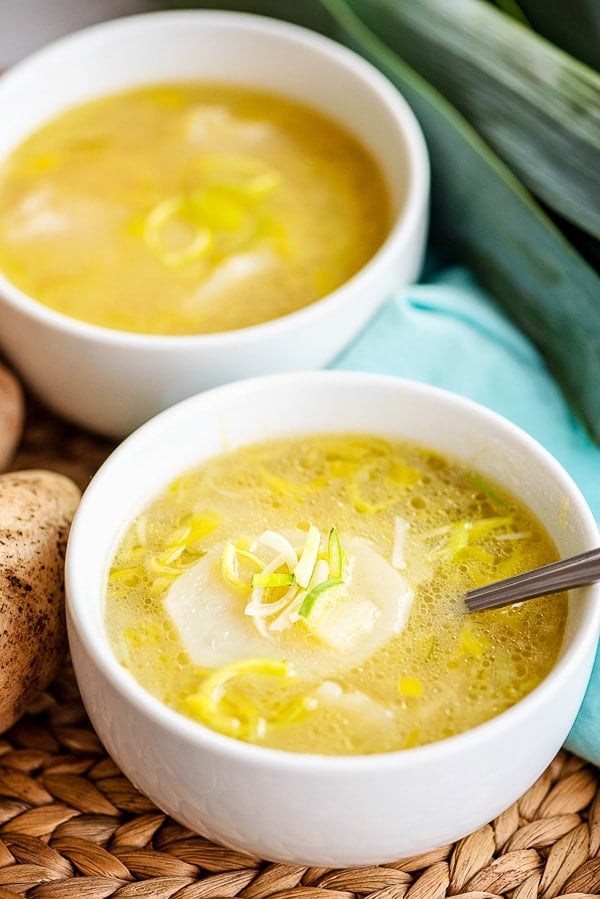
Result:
pixel 574 572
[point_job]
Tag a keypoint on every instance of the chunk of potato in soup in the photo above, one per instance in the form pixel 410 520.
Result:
pixel 185 209
pixel 307 594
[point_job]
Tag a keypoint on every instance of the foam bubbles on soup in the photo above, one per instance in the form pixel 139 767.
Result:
pixel 307 595
pixel 184 209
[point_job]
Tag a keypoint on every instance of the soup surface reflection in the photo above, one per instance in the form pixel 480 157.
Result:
pixel 307 594
pixel 185 209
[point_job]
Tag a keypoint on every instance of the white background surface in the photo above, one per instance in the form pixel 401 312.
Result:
pixel 26 25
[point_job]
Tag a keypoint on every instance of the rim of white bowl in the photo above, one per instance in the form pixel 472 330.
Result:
pixel 100 650
pixel 405 223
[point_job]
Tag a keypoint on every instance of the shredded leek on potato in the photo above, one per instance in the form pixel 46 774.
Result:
pixel 311 589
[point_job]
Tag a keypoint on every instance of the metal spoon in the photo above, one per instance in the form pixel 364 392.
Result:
pixel 574 572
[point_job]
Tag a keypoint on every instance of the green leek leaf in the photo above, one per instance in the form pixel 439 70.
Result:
pixel 484 217
pixel 536 106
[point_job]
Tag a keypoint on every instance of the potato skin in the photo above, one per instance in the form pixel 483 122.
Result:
pixel 12 415
pixel 36 510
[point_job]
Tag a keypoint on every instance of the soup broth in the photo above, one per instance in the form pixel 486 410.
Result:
pixel 185 209
pixel 308 595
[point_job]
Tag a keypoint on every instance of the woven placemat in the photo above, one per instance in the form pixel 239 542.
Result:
pixel 71 824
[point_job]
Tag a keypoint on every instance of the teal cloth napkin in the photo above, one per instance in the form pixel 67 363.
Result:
pixel 449 332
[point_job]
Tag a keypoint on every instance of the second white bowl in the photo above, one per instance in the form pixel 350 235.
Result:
pixel 112 381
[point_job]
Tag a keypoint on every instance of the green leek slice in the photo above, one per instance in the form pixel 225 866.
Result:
pixel 321 600
pixel 335 556
pixel 306 563
pixel 273 579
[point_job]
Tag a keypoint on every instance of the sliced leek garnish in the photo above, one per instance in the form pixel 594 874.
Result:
pixel 158 219
pixel 182 549
pixel 230 569
pixel 320 601
pixel 335 555
pixel 281 545
pixel 294 584
pixel 305 568
pixel 224 206
pixel 219 623
pixel 214 686
pixel 231 713
pixel 461 535
pixel 273 579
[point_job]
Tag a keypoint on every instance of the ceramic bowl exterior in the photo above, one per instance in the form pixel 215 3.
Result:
pixel 112 381
pixel 311 809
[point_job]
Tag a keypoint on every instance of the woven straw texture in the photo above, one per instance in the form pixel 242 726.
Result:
pixel 71 825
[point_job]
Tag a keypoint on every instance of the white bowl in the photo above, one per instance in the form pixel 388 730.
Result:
pixel 112 381
pixel 312 809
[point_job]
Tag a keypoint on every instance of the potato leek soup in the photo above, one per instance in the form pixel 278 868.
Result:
pixel 185 209
pixel 308 595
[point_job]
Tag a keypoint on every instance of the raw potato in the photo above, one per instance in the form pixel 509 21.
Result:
pixel 12 414
pixel 36 510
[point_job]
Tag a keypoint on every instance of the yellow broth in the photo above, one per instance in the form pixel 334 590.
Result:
pixel 185 209
pixel 444 673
